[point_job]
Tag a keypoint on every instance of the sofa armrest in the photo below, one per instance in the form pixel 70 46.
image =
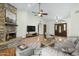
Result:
pixel 27 52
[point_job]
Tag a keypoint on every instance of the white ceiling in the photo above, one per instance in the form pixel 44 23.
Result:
pixel 61 10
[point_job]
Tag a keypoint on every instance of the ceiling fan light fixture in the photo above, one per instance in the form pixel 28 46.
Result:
pixel 39 14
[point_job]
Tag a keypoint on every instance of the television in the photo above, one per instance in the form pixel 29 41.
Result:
pixel 30 28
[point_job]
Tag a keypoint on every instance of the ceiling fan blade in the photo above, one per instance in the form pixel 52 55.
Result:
pixel 35 15
pixel 44 14
pixel 33 12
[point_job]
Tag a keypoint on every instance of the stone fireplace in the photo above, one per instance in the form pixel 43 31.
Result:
pixel 8 20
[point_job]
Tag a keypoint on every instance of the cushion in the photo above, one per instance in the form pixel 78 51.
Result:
pixel 58 46
pixel 27 52
pixel 68 50
pixel 68 44
pixel 37 51
pixel 77 46
pixel 73 39
pixel 76 41
pixel 22 47
pixel 49 51
pixel 76 52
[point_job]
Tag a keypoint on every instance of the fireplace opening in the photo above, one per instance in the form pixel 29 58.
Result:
pixel 10 36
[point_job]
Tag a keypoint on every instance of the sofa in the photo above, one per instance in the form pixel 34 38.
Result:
pixel 69 46
pixel 29 51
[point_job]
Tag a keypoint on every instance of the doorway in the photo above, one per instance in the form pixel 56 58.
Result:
pixel 61 29
pixel 44 30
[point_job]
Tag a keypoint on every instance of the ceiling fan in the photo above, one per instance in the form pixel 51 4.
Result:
pixel 40 12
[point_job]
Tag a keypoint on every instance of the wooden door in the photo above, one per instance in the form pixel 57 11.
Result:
pixel 38 29
pixel 61 29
